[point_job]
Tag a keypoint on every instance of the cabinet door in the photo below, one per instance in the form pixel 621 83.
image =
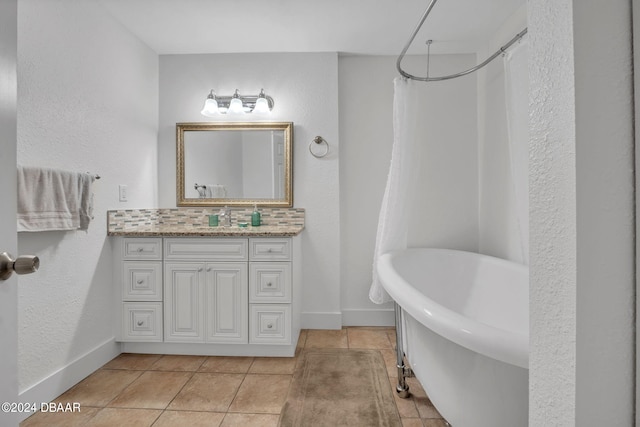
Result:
pixel 183 304
pixel 227 300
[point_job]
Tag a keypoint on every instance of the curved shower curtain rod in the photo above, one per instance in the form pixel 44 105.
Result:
pixel 450 76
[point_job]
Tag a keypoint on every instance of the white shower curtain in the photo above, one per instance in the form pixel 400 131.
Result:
pixel 517 105
pixel 394 213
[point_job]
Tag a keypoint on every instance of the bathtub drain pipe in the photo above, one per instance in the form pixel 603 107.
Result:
pixel 403 372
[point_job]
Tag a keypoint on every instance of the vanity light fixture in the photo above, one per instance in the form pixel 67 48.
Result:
pixel 237 104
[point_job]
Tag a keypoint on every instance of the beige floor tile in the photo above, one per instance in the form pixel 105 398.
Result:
pixel 392 338
pixel 302 339
pixel 110 417
pixel 60 419
pixel 426 408
pixel 171 362
pixel 199 390
pixel 227 365
pixel 317 338
pixel 368 338
pixel 273 365
pixel 408 422
pixel 261 394
pixel 99 388
pixel 434 423
pixel 189 419
pixel 390 362
pixel 250 420
pixel 137 362
pixel 207 391
pixel 152 390
pixel 416 387
pixel 421 400
pixel 406 407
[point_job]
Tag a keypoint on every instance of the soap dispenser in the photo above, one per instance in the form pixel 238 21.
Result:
pixel 255 216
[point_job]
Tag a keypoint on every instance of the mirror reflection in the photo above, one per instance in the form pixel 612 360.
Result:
pixel 234 164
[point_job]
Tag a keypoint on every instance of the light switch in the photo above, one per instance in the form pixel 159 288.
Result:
pixel 123 192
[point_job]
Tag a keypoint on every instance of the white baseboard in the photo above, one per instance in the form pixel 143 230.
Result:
pixel 66 377
pixel 354 317
pixel 368 317
pixel 321 320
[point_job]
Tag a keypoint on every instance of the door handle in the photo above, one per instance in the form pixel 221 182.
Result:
pixel 24 264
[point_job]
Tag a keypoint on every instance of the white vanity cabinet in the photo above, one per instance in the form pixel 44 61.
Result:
pixel 205 301
pixel 209 295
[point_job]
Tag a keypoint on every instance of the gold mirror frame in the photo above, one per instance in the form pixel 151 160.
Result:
pixel 181 128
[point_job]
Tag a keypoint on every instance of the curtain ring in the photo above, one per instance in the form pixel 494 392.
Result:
pixel 319 140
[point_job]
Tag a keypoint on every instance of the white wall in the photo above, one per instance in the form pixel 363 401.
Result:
pixel 445 212
pixel 498 226
pixel 87 101
pixel 305 91
pixel 581 214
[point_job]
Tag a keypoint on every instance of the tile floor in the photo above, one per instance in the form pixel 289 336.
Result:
pixel 163 390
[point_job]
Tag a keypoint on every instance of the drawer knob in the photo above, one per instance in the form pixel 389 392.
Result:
pixel 269 284
pixel 269 250
pixel 269 325
pixel 140 249
pixel 140 281
pixel 200 269
pixel 140 323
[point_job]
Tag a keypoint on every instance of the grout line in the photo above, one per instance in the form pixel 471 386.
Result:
pixel 235 395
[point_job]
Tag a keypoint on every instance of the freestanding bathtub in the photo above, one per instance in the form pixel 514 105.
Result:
pixel 465 332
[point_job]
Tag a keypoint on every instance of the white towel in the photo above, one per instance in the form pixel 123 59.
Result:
pixel 85 193
pixel 50 199
pixel 216 191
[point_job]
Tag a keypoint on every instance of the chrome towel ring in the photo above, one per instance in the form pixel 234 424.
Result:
pixel 319 140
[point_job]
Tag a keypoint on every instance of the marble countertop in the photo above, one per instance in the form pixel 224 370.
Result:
pixel 186 222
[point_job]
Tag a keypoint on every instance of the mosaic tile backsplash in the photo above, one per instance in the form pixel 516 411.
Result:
pixel 195 222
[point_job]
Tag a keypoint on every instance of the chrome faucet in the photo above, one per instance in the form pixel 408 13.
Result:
pixel 225 216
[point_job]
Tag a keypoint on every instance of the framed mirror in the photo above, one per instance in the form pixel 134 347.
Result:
pixel 234 164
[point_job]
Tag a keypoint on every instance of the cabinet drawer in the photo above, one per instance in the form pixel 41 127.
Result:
pixel 270 324
pixel 270 282
pixel 142 321
pixel 142 248
pixel 269 249
pixel 142 281
pixel 206 249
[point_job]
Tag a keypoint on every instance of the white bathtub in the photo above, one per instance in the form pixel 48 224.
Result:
pixel 466 332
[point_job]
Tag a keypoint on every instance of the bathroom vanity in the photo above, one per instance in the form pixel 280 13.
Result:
pixel 182 287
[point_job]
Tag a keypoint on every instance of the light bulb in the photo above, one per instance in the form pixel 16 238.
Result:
pixel 235 106
pixel 210 108
pixel 262 106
